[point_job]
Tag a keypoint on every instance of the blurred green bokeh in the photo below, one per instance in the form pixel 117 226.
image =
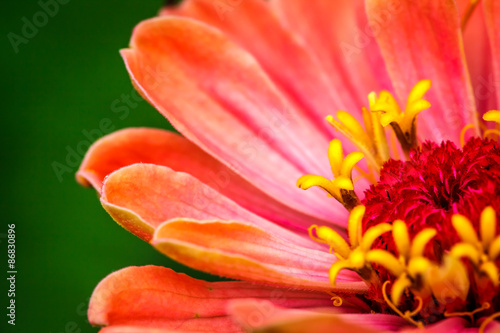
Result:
pixel 61 83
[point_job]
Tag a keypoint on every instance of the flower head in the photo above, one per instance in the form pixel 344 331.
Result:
pixel 272 94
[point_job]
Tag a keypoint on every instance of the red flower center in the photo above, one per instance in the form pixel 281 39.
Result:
pixel 425 192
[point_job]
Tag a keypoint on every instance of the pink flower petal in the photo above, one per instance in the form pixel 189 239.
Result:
pixel 262 316
pixel 242 251
pixel 292 65
pixel 479 58
pixel 422 40
pixel 154 297
pixel 218 96
pixel 492 16
pixel 339 35
pixel 142 196
pixel 145 145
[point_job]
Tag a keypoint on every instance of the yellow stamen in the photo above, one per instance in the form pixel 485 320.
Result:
pixel 333 188
pixel 494 249
pixel 470 314
pixel 488 132
pixel 418 266
pixel 343 183
pixel 401 238
pixel 491 271
pixel 408 314
pixel 420 241
pixel 357 259
pixel 492 115
pixel 487 321
pixel 488 226
pixel 388 106
pixel 336 268
pixel 349 163
pixel 371 139
pixel 466 250
pixel 337 300
pixel 332 238
pixel 372 234
pixel 354 225
pixel 415 103
pixel 462 133
pixel 353 257
pixel 341 187
pixel 376 131
pixel 353 125
pixel 335 156
pixel 481 253
pixel 403 123
pixel 387 260
pixel 417 309
pixel 311 234
pixel 464 229
pixel 353 131
pixel 412 267
pixel 399 287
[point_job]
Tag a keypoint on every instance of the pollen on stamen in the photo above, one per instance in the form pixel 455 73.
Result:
pixel 383 111
pixel 342 186
pixel 403 123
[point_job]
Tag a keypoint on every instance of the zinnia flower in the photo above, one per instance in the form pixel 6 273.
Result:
pixel 268 96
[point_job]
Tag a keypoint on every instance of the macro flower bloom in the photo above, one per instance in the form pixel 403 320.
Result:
pixel 396 99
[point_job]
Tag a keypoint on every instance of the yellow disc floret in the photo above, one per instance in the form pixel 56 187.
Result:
pixel 411 258
pixel 353 256
pixel 404 123
pixel 383 111
pixel 415 274
pixel 371 140
pixel 483 252
pixel 342 186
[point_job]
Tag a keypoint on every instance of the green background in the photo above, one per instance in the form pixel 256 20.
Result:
pixel 59 84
